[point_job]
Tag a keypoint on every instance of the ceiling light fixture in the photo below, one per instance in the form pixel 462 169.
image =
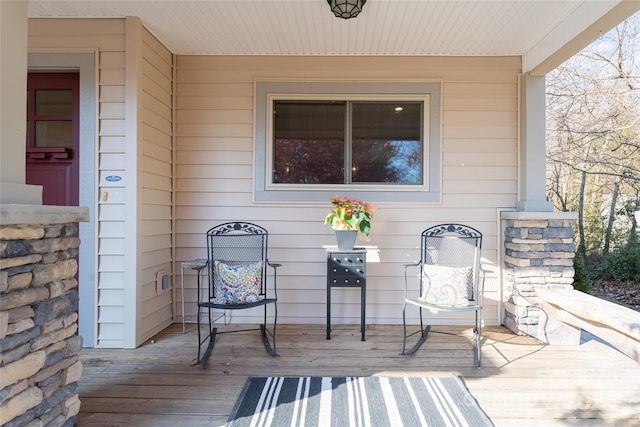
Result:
pixel 346 9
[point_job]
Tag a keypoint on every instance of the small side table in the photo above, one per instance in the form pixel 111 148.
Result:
pixel 347 269
pixel 198 265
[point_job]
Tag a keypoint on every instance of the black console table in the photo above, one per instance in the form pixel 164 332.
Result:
pixel 347 269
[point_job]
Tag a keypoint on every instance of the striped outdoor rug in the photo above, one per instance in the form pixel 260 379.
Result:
pixel 356 402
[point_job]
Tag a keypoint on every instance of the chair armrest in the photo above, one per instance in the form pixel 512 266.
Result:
pixel 415 264
pixel 406 277
pixel 274 265
pixel 482 278
pixel 275 277
pixel 484 269
pixel 406 267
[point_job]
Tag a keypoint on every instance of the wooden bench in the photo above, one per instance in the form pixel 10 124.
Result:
pixel 565 312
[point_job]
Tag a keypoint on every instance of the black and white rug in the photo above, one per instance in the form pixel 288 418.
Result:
pixel 356 402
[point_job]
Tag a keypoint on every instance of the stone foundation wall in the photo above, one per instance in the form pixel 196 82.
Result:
pixel 539 253
pixel 39 362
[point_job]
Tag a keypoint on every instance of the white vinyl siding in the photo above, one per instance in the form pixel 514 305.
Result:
pixel 108 37
pixel 214 178
pixel 155 186
pixel 123 321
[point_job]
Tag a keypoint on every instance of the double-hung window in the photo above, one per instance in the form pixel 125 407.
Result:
pixel 380 139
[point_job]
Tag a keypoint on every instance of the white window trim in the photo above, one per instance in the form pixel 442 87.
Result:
pixel 343 97
pixel 268 91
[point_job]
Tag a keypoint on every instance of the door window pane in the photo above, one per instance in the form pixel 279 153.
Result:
pixel 51 133
pixel 53 102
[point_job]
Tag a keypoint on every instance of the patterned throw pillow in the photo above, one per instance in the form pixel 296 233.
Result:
pixel 238 284
pixel 446 286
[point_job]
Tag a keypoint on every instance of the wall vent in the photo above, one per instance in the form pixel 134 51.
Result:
pixel 163 282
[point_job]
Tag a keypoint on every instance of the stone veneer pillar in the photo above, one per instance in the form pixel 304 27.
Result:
pixel 39 361
pixel 538 253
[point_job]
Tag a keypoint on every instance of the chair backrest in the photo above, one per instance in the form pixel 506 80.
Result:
pixel 456 246
pixel 236 243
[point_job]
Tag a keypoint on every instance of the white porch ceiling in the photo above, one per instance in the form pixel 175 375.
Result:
pixel 529 28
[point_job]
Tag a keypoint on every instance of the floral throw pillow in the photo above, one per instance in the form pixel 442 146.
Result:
pixel 238 284
pixel 446 286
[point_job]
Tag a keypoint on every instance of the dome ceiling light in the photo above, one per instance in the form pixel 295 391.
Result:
pixel 346 9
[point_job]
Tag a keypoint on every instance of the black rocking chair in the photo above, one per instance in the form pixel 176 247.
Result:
pixel 237 262
pixel 450 280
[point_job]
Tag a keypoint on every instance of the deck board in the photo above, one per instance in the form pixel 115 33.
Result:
pixel 522 382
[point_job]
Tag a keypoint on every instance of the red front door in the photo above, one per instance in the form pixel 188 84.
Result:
pixel 53 136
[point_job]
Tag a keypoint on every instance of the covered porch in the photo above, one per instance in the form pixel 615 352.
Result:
pixel 522 382
pixel 170 148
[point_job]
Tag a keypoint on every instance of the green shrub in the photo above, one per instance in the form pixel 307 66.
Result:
pixel 622 264
pixel 581 279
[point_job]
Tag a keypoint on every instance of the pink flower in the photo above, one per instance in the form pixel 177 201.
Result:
pixel 369 207
pixel 350 214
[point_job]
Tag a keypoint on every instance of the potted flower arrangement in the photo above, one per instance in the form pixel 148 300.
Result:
pixel 348 217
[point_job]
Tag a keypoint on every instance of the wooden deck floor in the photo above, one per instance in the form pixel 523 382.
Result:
pixel 522 383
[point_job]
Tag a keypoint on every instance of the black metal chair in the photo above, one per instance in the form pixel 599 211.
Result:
pixel 237 262
pixel 450 280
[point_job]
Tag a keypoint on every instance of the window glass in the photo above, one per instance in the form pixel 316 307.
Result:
pixel 308 142
pixel 51 133
pixel 53 102
pixel 345 142
pixel 387 142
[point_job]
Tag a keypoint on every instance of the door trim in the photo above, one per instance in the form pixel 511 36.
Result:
pixel 85 64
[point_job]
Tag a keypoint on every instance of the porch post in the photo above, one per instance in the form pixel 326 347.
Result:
pixel 533 171
pixel 538 242
pixel 13 104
